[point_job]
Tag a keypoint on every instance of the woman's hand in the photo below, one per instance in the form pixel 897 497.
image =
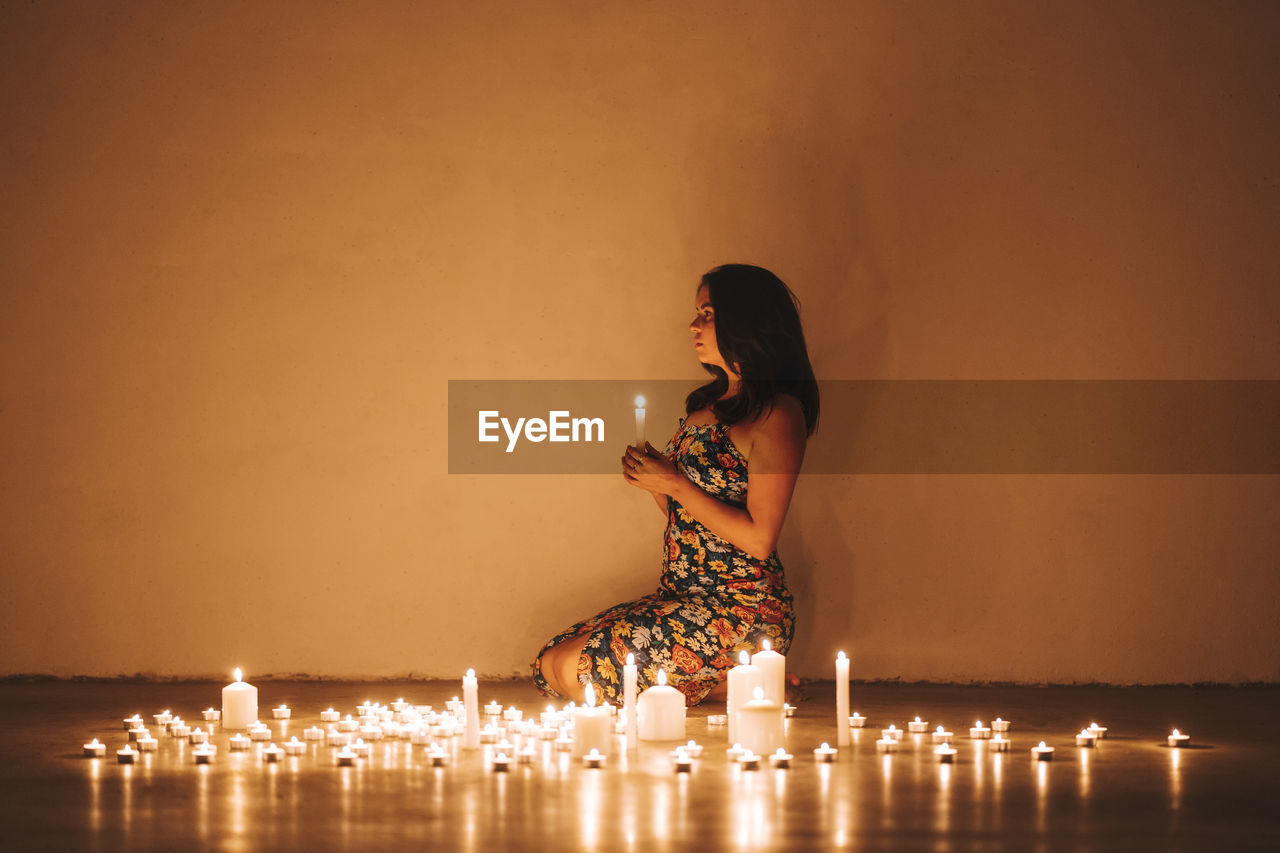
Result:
pixel 650 470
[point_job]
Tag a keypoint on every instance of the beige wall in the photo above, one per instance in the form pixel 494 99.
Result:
pixel 244 246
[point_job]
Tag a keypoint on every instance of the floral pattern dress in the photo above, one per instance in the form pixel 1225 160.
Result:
pixel 713 598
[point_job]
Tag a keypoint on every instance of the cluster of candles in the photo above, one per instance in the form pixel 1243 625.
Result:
pixel 755 716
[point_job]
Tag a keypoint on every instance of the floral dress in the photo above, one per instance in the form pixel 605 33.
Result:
pixel 713 599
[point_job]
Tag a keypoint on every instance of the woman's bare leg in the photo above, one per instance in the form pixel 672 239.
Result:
pixel 560 667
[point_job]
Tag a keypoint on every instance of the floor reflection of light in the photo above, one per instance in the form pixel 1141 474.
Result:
pixel 942 813
pixel 1042 794
pixel 239 802
pixel 1084 772
pixel 886 791
pixel 95 795
pixel 589 809
pixel 202 802
pixel 1175 778
pixel 662 809
pixel 470 820
pixel 629 821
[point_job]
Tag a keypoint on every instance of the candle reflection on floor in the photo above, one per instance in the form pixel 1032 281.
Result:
pixel 1175 778
pixel 942 800
pixel 1042 795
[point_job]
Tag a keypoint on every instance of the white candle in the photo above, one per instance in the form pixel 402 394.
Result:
pixel 95 749
pixel 945 753
pixel 1042 752
pixel 239 704
pixel 1178 739
pixel 239 742
pixel 590 726
pixel 179 728
pixel 1000 725
pixel 148 744
pixel 692 748
pixel 132 722
pixel 512 715
pixel 842 698
pixel 856 720
pixel 281 713
pixel 526 755
pixel 660 711
pixel 138 732
pixel 918 726
pixel 360 748
pixel 470 688
pixel 682 761
pixel 941 735
pixel 826 754
pixel 211 715
pixel 295 746
pixel 272 752
pixel 593 759
pixel 126 755
pixel 773 672
pixel 760 724
pixel 743 680
pixel 1086 738
pixel 347 724
pixel 330 716
pixel 501 763
pixel 197 737
pixel 749 760
pixel 629 682
pixel 163 717
pixel 344 757
pixel 979 731
pixel 1100 731
pixel 313 733
pixel 640 422
pixel 1000 743
pixel 204 753
pixel 887 744
pixel 893 732
pixel 734 752
pixel 780 759
pixel 717 720
pixel 493 709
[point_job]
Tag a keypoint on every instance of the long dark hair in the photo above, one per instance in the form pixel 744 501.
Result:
pixel 758 329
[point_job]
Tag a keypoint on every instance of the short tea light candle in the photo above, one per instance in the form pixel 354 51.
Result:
pixel 239 703
pixel 693 748
pixel 945 753
pixel 211 715
pixel 887 744
pixel 1178 739
pixel 345 757
pixel 197 737
pixel 526 755
pixel 941 735
pixel 330 716
pixel 148 744
pixel 437 756
pixel 734 752
pixel 780 759
pixel 163 717
pixel 140 731
pixel 95 749
pixel 893 731
pixel 126 755
pixel 501 763
pixel 979 732
pixel 717 719
pixel 260 734
pixel 204 753
pixel 594 758
pixel 493 709
pixel 682 761
pixel 272 752
pixel 295 746
pixel 788 709
pixel 856 720
pixel 1041 752
pixel 134 722
pixel 749 760
pixel 918 726
pixel 825 754
pixel 179 728
pixel 1000 743
pixel 239 742
pixel 1100 731
pixel 1086 738
pixel 348 724
pixel 999 725
pixel 513 715
pixel 282 713
pixel 313 733
pixel 361 748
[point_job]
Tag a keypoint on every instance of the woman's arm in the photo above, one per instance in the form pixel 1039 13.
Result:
pixel 777 449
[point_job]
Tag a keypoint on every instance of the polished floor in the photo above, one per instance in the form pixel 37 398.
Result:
pixel 1132 792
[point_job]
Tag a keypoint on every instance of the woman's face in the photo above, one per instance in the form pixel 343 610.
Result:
pixel 704 332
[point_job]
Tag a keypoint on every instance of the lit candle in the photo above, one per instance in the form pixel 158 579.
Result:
pixel 749 760
pixel 360 748
pixel 239 704
pixel 295 746
pixel 260 733
pixel 470 687
pixel 197 737
pixel 1178 739
pixel 693 748
pixel 590 726
pixel 780 759
pixel 148 744
pixel 501 763
pixel 887 744
pixel 1042 752
pixel 493 709
pixel 918 726
pixel 345 757
pixel 163 717
pixel 893 732
pixel 138 732
pixel 945 753
pixel 743 680
pixel 1000 743
pixel 842 698
pixel 1086 738
pixel 717 719
pixel 399 705
pixel 526 755
pixel 760 724
pixel 773 672
pixel 313 733
pixel 999 725
pixel 132 722
pixel 95 749
pixel 126 755
pixel 629 682
pixel 660 711
pixel 281 713
pixel 788 709
pixel 640 422
pixel 593 758
pixel 239 742
pixel 211 715
pixel 179 728
pixel 330 716
pixel 204 753
pixel 856 720
pixel 734 752
pixel 437 756
pixel 979 731
pixel 825 754
pixel 682 761
pixel 512 715
pixel 941 735
pixel 1100 731
pixel 347 724
pixel 272 752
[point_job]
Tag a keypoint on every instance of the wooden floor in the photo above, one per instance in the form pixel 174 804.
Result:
pixel 1131 793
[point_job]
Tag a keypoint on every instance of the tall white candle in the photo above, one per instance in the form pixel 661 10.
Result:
pixel 629 680
pixel 842 699
pixel 471 701
pixel 239 704
pixel 640 422
pixel 661 711
pixel 773 672
pixel 591 726
pixel 743 680
pixel 760 724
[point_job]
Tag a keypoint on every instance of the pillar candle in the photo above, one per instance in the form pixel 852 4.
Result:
pixel 842 699
pixel 590 726
pixel 640 422
pixel 773 672
pixel 660 710
pixel 743 680
pixel 239 704
pixel 629 676
pixel 471 701
pixel 760 724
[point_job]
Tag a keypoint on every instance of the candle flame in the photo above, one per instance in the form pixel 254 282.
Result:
pixel 743 658
pixel 238 674
pixel 766 645
pixel 631 659
pixel 471 673
pixel 758 693
pixel 840 656
pixel 1176 732
pixel 825 745
pixel 662 678
pixel 1041 746
pixel 781 752
pixel 977 724
pixel 941 730
pixel 639 402
pixel 591 696
pixel 917 719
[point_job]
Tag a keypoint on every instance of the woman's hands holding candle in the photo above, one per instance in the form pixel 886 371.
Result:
pixel 649 470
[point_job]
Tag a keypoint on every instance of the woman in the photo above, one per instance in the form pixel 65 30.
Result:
pixel 722 588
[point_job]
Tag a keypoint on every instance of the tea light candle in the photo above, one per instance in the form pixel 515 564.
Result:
pixel 640 422
pixel 295 746
pixel 272 752
pixel 979 731
pixel 501 763
pixel 918 726
pixel 788 709
pixel 717 719
pixel 313 733
pixel 133 722
pixel 493 709
pixel 419 735
pixel 749 760
pixel 95 749
pixel 682 761
pixel 260 733
pixel 887 744
pixel 564 742
pixel 825 754
pixel 126 755
pixel 941 735
pixel 513 715
pixel 780 759
pixel 1000 743
pixel 399 705
pixel 842 698
pixel 179 728
pixel 893 731
pixel 197 737
pixel 345 757
pixel 999 725
pixel 163 717
pixel 734 752
pixel 526 755
pixel 660 712
pixel 239 742
pixel 211 715
pixel 333 737
pixel 471 707
pixel 360 748
pixel 488 734
pixel 239 703
pixel 148 744
pixel 1100 731
pixel 857 721
pixel 282 713
pixel 1042 752
pixel 1178 739
pixel 1086 738
pixel 593 759
pixel 330 716
pixel 692 748
pixel 138 732
pixel 348 725
pixel 437 756
pixel 630 681
pixel 945 753
pixel 204 753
